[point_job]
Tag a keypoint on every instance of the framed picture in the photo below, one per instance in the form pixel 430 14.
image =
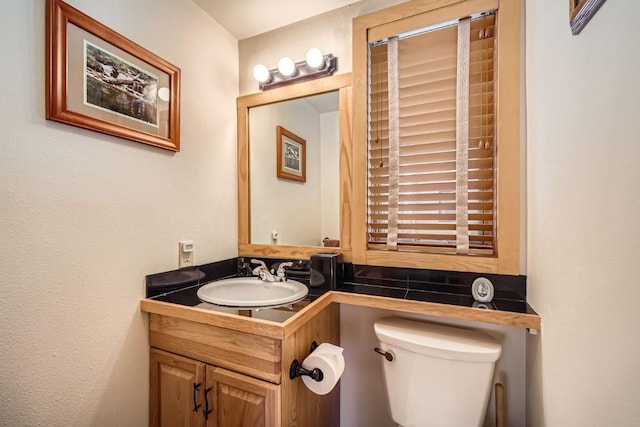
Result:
pixel 102 81
pixel 580 12
pixel 292 155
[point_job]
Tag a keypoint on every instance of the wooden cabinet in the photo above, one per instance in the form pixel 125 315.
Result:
pixel 240 401
pixel 236 370
pixel 176 390
pixel 186 392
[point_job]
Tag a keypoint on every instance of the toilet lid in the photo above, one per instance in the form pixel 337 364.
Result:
pixel 435 340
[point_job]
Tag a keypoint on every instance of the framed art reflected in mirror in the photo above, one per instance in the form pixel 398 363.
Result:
pixel 292 155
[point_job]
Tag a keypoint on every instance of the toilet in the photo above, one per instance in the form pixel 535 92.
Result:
pixel 439 375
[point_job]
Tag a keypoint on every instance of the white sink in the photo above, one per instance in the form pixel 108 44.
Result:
pixel 252 292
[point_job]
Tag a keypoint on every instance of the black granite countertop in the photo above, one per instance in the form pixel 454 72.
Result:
pixel 443 287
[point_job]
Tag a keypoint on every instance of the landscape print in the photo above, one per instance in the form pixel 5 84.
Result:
pixel 292 156
pixel 115 85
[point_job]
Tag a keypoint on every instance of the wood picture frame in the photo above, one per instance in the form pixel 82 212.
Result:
pixel 99 80
pixel 581 12
pixel 292 155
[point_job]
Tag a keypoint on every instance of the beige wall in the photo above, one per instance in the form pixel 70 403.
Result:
pixel 84 217
pixel 583 210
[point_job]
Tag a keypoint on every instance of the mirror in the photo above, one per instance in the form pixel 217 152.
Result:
pixel 302 192
pixel 294 182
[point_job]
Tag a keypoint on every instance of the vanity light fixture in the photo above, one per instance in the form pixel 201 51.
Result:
pixel 315 58
pixel 287 67
pixel 261 73
pixel 315 65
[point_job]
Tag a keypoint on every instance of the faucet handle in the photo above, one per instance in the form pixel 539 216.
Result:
pixel 259 262
pixel 260 268
pixel 280 273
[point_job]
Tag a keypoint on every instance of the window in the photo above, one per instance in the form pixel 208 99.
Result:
pixel 430 180
pixel 436 116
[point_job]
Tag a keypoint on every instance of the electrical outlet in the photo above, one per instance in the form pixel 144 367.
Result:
pixel 185 253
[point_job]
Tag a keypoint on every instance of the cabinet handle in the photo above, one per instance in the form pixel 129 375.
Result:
pixel 207 411
pixel 196 388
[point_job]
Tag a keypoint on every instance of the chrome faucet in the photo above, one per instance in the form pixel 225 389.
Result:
pixel 262 271
pixel 264 274
pixel 280 274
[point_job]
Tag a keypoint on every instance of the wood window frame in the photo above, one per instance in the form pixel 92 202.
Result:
pixel 411 15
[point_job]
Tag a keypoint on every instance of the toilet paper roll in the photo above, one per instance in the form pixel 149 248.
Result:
pixel 329 359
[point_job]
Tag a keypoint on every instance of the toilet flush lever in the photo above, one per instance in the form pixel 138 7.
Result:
pixel 387 354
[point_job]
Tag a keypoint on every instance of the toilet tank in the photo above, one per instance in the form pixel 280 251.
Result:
pixel 439 376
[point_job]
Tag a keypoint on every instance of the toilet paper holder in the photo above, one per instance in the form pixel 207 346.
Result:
pixel 296 369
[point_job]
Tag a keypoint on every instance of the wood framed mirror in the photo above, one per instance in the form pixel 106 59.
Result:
pixel 269 203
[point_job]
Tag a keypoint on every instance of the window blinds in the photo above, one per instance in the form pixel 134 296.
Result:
pixel 431 140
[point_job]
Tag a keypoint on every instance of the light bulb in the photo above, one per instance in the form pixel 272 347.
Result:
pixel 286 66
pixel 164 94
pixel 314 58
pixel 261 73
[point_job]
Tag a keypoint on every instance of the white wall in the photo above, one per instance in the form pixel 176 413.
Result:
pixel 84 217
pixel 272 196
pixel 583 209
pixel 330 172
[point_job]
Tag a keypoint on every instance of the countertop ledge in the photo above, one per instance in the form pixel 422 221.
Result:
pixel 282 330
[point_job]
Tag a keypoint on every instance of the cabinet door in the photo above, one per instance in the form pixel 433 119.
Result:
pixel 176 391
pixel 236 400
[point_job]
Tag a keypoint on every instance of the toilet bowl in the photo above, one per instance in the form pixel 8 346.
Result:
pixel 439 375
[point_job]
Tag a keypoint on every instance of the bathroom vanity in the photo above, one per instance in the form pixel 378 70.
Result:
pixel 216 366
pixel 213 368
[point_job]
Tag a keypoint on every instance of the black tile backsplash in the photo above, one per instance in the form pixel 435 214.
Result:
pixel 449 282
pixel 438 286
pixel 169 281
